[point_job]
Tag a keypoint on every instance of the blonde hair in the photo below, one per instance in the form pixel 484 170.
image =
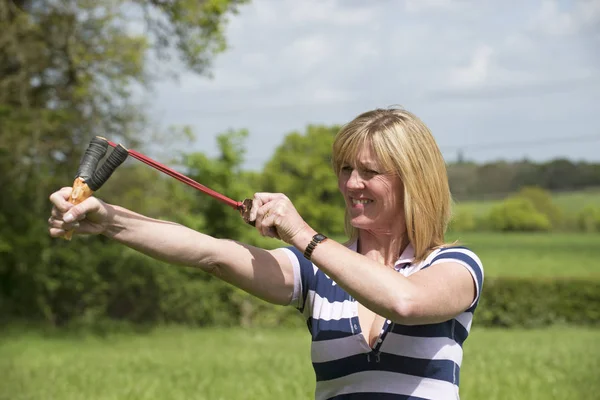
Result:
pixel 404 146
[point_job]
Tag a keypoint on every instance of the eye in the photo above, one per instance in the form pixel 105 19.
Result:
pixel 371 172
pixel 346 168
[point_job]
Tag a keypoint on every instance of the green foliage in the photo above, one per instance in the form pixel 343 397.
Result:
pixel 301 168
pixel 543 203
pixel 518 214
pixel 469 181
pixel 535 302
pixel 462 221
pixel 588 219
pixel 194 28
pixel 68 70
pixel 224 175
pixel 570 205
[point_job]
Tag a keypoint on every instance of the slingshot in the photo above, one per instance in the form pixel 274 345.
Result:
pixel 88 180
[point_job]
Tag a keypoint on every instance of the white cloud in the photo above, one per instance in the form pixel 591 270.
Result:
pixel 416 6
pixel 478 70
pixel 467 67
pixel 327 95
pixel 305 53
pixel 554 21
pixel 331 12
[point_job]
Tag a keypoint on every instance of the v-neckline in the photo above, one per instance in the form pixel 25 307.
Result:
pixel 385 328
pixel 405 259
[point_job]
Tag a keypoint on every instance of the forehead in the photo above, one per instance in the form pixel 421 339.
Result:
pixel 365 156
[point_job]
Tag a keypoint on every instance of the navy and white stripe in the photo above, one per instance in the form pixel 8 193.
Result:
pixel 408 362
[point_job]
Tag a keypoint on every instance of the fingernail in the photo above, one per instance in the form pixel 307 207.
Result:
pixel 68 218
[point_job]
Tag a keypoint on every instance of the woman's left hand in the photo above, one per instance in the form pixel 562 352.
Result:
pixel 275 216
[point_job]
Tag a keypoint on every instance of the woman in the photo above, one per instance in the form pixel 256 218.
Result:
pixel 389 310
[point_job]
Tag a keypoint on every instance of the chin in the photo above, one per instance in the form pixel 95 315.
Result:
pixel 361 222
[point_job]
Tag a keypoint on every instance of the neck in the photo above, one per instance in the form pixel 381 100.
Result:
pixel 382 247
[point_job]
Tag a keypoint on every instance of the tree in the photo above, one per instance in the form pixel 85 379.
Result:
pixel 301 168
pixel 542 201
pixel 223 174
pixel 68 69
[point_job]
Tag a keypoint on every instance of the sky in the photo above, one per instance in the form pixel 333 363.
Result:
pixel 493 80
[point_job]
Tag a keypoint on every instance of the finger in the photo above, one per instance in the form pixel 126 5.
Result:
pixel 269 225
pixel 259 200
pixel 256 204
pixel 54 223
pixel 268 230
pixel 268 218
pixel 60 199
pixel 263 212
pixel 56 213
pixel 56 232
pixel 79 212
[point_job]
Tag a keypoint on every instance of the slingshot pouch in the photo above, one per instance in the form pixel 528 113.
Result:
pixel 245 209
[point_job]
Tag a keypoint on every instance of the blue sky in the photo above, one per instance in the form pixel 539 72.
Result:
pixel 497 79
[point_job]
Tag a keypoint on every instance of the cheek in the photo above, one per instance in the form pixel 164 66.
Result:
pixel 342 183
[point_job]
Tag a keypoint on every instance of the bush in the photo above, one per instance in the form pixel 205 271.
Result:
pixel 588 219
pixel 542 202
pixel 535 302
pixel 462 221
pixel 518 214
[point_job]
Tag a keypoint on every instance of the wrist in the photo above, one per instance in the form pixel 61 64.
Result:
pixel 303 238
pixel 112 224
pixel 315 241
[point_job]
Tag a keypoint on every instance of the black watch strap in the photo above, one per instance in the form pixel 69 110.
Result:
pixel 318 238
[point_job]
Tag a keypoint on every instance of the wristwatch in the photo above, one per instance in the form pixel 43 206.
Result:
pixel 318 238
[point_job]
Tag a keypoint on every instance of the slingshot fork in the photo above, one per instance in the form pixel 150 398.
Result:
pixel 89 179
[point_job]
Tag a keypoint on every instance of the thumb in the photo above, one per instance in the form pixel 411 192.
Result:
pixel 79 212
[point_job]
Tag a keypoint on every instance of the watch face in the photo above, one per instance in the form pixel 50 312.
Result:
pixel 319 237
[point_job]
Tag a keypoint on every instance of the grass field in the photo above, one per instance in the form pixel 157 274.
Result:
pixel 179 363
pixel 569 202
pixel 535 254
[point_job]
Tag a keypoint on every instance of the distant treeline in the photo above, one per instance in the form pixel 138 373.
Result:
pixel 471 181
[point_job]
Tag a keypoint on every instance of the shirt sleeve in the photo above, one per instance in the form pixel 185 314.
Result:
pixel 469 260
pixel 304 276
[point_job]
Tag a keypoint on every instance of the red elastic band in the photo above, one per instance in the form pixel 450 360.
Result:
pixel 182 178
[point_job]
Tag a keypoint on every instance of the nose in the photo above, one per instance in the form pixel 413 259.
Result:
pixel 355 181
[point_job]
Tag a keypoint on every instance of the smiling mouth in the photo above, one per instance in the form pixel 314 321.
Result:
pixel 360 201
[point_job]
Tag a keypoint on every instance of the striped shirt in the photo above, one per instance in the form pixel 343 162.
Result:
pixel 407 362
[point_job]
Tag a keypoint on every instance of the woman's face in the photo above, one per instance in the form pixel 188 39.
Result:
pixel 373 198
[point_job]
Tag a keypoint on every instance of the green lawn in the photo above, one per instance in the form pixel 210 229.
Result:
pixel 535 254
pixel 178 363
pixel 569 202
pixel 572 202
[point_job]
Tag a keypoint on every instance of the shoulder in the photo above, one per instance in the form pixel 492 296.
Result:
pixel 459 255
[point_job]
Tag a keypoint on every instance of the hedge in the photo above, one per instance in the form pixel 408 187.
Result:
pixel 505 302
pixel 142 291
pixel 527 302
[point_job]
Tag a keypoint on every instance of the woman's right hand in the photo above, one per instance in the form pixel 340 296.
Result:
pixel 88 217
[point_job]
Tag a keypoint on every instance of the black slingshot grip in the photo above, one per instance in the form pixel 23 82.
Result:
pixel 116 158
pixel 93 154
